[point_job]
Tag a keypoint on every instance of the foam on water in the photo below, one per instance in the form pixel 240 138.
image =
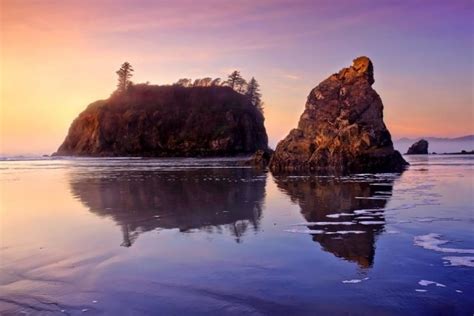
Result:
pixel 459 261
pixel 344 232
pixel 322 232
pixel 367 211
pixel 372 222
pixel 305 231
pixel 323 223
pixel 432 241
pixel 337 215
pixel 354 281
pixel 383 192
pixel 427 282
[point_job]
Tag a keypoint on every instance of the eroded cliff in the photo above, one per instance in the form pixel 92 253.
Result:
pixel 168 121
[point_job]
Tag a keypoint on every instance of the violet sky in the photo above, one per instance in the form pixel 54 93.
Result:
pixel 59 56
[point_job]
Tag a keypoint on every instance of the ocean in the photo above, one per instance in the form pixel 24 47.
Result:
pixel 122 236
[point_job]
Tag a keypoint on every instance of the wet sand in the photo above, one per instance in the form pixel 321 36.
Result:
pixel 145 236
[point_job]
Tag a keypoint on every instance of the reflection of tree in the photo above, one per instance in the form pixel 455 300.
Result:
pixel 319 198
pixel 211 200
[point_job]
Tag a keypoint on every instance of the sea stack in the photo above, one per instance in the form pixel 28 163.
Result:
pixel 168 121
pixel 418 148
pixel 341 129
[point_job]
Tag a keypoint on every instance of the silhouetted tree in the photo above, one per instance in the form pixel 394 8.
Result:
pixel 241 86
pixel 205 82
pixel 216 82
pixel 184 82
pixel 235 81
pixel 124 75
pixel 253 93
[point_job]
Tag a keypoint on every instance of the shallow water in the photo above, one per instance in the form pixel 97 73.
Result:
pixel 144 236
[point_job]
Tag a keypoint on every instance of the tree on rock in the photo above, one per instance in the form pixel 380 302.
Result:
pixel 253 93
pixel 216 82
pixel 184 82
pixel 124 75
pixel 235 81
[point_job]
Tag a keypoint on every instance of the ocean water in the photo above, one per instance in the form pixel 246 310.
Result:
pixel 195 237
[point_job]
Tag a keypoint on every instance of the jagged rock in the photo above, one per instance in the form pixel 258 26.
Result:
pixel 418 148
pixel 341 129
pixel 168 121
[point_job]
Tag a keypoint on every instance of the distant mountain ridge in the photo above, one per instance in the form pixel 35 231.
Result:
pixel 438 139
pixel 439 144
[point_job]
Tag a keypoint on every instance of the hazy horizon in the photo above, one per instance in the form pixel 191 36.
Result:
pixel 58 57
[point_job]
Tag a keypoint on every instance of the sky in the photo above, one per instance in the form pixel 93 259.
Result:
pixel 59 56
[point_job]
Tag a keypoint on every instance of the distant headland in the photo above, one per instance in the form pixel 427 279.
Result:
pixel 188 119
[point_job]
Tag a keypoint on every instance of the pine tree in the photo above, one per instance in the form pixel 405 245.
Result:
pixel 124 75
pixel 216 82
pixel 253 93
pixel 184 82
pixel 235 81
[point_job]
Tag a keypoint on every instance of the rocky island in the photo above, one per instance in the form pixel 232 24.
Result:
pixel 341 129
pixel 168 121
pixel 418 148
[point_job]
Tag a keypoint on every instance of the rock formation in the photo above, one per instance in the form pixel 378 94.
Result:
pixel 341 129
pixel 418 148
pixel 168 121
pixel 260 159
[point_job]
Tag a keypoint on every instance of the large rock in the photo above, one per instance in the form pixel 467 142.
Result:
pixel 260 159
pixel 341 129
pixel 418 148
pixel 168 121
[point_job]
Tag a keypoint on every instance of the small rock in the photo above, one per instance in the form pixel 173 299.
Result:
pixel 418 148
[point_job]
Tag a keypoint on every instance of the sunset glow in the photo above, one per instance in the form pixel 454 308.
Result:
pixel 59 56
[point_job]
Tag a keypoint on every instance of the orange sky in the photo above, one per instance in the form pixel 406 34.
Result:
pixel 59 56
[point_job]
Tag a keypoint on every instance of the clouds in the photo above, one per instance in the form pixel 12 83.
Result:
pixel 66 53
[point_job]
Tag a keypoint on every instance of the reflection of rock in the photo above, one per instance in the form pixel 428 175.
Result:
pixel 341 129
pixel 418 148
pixel 206 199
pixel 318 199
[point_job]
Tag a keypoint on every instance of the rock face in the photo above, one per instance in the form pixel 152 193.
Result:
pixel 341 129
pixel 168 121
pixel 418 148
pixel 260 159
